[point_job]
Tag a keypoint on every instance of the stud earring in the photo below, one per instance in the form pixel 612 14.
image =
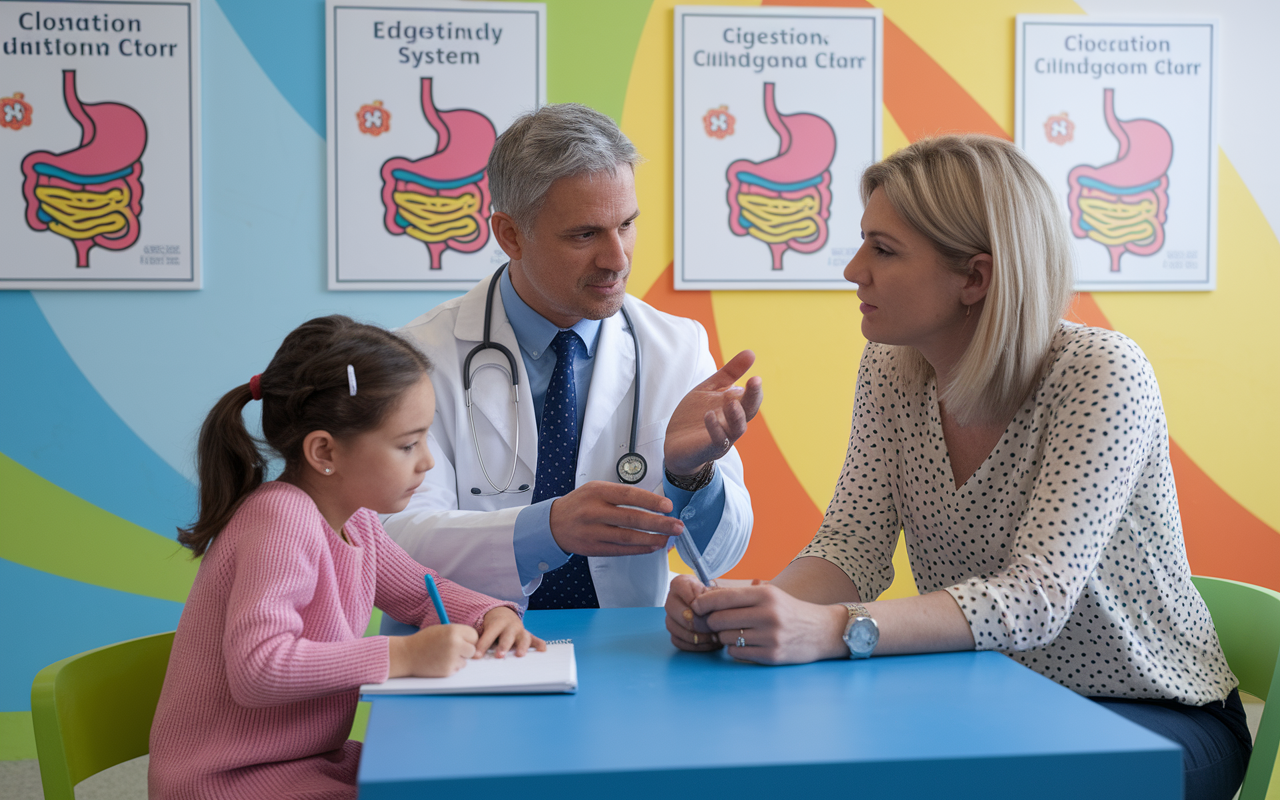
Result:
pixel 327 470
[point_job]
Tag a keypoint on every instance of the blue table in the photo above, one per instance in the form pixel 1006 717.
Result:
pixel 648 720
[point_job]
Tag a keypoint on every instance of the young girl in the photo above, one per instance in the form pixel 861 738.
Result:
pixel 263 681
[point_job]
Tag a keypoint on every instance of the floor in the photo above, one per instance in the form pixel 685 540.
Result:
pixel 20 780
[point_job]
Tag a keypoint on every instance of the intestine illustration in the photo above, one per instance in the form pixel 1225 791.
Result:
pixel 1123 205
pixel 785 201
pixel 442 199
pixel 91 194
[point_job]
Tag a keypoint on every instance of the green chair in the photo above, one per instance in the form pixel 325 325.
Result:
pixel 94 710
pixel 1248 621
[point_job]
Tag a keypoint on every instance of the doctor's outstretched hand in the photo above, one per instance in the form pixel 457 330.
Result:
pixel 712 416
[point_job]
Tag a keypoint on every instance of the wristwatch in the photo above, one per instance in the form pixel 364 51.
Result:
pixel 861 633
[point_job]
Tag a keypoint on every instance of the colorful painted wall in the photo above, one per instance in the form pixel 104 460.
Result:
pixel 102 393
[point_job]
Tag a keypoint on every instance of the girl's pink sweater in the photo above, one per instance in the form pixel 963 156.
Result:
pixel 263 681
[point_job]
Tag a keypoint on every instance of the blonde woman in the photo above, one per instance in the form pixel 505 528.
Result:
pixel 1027 460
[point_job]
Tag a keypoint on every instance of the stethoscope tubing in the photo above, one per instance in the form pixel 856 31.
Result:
pixel 487 343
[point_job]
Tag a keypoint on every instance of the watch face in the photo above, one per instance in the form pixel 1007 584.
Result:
pixel 862 636
pixel 631 468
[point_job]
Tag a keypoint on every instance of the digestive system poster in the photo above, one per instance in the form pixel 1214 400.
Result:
pixel 1120 118
pixel 417 96
pixel 777 112
pixel 99 145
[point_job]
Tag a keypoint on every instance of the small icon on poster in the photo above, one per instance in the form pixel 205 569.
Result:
pixel 17 112
pixel 718 122
pixel 373 119
pixel 1059 129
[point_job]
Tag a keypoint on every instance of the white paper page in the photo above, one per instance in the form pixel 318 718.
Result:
pixel 556 670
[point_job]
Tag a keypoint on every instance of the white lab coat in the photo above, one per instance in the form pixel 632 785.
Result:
pixel 469 538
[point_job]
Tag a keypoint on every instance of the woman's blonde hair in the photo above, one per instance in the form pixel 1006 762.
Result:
pixel 972 194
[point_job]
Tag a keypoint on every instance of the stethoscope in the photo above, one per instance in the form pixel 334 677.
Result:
pixel 631 467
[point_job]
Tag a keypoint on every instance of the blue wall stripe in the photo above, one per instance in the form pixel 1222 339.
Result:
pixel 68 618
pixel 59 427
pixel 287 41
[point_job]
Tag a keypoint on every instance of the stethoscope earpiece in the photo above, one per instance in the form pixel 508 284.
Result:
pixel 524 487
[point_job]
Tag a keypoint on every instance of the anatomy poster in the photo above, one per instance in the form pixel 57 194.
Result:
pixel 1120 117
pixel 777 113
pixel 99 145
pixel 417 95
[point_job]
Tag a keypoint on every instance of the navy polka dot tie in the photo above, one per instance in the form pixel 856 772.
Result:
pixel 570 584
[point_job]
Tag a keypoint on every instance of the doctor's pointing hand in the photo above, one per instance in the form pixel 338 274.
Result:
pixel 593 520
pixel 712 417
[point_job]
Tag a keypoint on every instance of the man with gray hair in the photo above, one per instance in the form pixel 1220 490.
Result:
pixel 573 444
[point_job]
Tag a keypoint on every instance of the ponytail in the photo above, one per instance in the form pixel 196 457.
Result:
pixel 230 467
pixel 305 388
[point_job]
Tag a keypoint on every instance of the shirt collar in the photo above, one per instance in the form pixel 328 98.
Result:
pixel 534 332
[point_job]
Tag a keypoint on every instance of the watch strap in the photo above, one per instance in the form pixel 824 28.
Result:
pixel 856 610
pixel 694 482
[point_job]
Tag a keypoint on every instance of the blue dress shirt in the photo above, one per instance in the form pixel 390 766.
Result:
pixel 536 550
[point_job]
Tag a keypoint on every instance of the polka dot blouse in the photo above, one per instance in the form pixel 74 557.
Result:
pixel 1064 549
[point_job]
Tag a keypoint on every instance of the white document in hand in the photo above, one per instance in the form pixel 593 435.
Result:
pixel 551 672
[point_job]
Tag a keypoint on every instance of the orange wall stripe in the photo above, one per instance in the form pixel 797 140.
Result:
pixel 786 517
pixel 922 96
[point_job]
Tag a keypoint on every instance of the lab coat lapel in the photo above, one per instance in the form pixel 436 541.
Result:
pixel 491 388
pixel 611 381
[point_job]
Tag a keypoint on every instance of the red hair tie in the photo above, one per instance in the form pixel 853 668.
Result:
pixel 255 387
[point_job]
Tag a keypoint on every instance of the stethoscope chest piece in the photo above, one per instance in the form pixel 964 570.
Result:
pixel 632 468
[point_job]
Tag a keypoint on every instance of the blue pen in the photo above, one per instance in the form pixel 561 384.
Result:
pixel 436 601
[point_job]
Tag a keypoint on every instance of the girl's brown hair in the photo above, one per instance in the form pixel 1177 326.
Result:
pixel 304 389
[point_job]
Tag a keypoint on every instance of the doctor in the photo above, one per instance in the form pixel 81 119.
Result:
pixel 527 501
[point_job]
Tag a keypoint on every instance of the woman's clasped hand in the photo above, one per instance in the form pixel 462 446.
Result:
pixel 774 626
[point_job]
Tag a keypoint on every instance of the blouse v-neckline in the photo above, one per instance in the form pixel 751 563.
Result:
pixel 936 431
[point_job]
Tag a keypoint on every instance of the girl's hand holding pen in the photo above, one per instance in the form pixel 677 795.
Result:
pixel 688 630
pixel 504 631
pixel 436 651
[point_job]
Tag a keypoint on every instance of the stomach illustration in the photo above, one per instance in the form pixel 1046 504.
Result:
pixel 785 201
pixel 1123 205
pixel 91 194
pixel 442 199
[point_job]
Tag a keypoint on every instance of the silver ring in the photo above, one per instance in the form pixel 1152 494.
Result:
pixel 695 638
pixel 727 444
pixel 741 641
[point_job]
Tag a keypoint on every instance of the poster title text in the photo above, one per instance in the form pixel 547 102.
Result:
pixel 38 22
pixel 747 56
pixel 1083 61
pixel 441 32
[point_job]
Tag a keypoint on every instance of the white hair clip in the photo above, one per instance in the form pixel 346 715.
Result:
pixel 351 379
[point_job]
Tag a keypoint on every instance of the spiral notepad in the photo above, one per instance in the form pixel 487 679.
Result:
pixel 552 672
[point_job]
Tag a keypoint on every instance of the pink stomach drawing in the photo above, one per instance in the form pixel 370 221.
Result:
pixel 1123 205
pixel 92 194
pixel 442 199
pixel 785 201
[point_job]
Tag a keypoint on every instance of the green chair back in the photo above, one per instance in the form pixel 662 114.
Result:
pixel 94 710
pixel 1247 618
